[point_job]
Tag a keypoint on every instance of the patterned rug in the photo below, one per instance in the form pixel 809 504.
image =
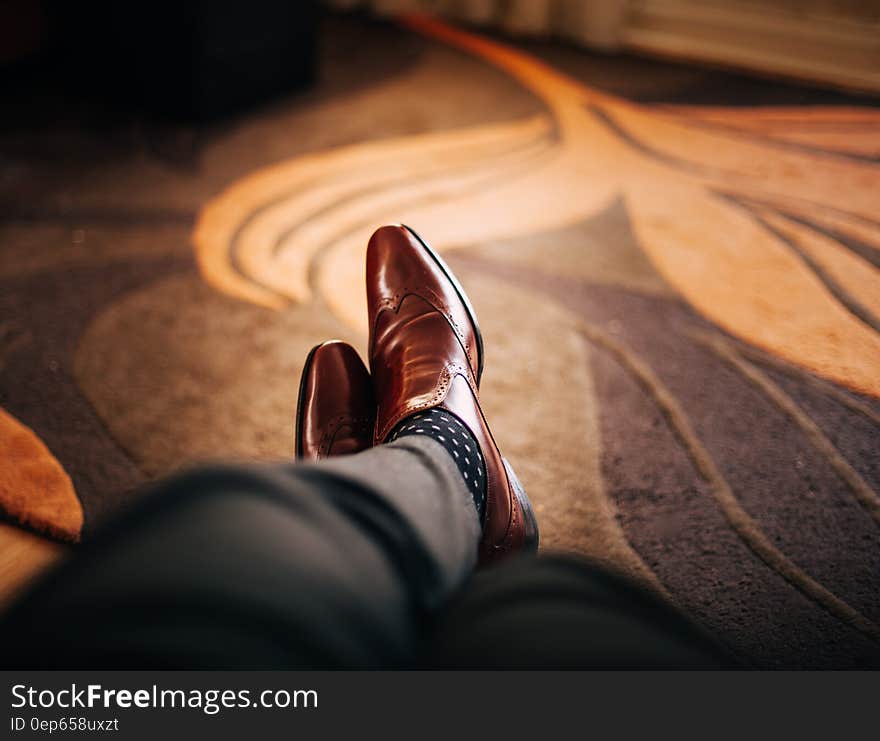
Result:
pixel 677 272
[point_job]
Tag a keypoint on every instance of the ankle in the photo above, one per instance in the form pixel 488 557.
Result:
pixel 458 441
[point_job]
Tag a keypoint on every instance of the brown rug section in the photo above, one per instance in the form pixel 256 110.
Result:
pixel 730 480
pixel 49 309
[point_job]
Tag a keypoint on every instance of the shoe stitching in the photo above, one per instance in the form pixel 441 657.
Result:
pixel 447 374
pixel 331 429
pixel 393 303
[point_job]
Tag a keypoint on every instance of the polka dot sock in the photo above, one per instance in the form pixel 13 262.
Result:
pixel 452 434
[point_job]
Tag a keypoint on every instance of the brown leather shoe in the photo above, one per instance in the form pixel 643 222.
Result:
pixel 426 351
pixel 335 413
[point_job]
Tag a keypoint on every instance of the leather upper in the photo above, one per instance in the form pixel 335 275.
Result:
pixel 424 354
pixel 336 410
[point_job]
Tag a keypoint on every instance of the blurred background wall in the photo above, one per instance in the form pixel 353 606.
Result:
pixel 834 42
pixel 198 59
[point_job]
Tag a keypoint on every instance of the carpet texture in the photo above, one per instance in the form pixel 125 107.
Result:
pixel 677 272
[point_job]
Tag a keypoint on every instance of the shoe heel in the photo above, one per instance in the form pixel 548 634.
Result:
pixel 300 397
pixel 530 522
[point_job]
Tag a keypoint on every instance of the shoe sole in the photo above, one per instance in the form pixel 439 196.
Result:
pixel 530 522
pixel 447 271
pixel 297 446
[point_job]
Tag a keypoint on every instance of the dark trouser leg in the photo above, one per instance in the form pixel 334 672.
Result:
pixel 557 612
pixel 330 565
pixel 273 566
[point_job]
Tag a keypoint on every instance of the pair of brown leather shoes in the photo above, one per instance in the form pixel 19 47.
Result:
pixel 425 352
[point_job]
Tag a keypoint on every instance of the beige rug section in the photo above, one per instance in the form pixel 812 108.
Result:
pixel 542 405
pixel 202 376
